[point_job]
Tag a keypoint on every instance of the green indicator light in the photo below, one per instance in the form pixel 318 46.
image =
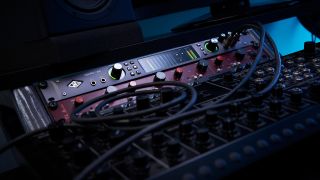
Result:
pixel 190 55
pixel 193 54
pixel 205 46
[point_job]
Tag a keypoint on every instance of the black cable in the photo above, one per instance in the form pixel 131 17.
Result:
pixel 25 136
pixel 102 159
pixel 75 118
pixel 254 65
pixel 105 119
pixel 98 109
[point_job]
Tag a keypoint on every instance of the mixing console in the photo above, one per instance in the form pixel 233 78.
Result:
pixel 207 145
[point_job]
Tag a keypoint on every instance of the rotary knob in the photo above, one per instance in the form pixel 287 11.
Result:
pixel 178 73
pixel 296 96
pixel 159 76
pixel 314 89
pixel 253 119
pixel 275 107
pixel 116 71
pixel 239 55
pixel 202 66
pixel 212 45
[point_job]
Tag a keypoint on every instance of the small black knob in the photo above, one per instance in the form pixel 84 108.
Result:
pixel 314 89
pixel 275 106
pixel 257 99
pixel 240 55
pixel 202 66
pixel 186 130
pixel 174 152
pixel 309 49
pixel 235 109
pixel 116 71
pixel 159 76
pixel 203 140
pixel 253 117
pixel 222 37
pixel 140 166
pixel 260 84
pixel 277 91
pixel 53 105
pixel 260 73
pixel 212 119
pixel 229 127
pixel 142 102
pixel 212 45
pixel 296 96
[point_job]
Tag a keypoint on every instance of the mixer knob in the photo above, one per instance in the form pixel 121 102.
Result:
pixel 212 119
pixel 143 102
pixel 212 45
pixel 277 91
pixel 218 61
pixel 222 37
pixel 132 84
pixel 229 127
pixel 202 66
pixel 260 83
pixel 178 73
pixel 78 101
pixel 235 109
pixel 296 96
pixel 260 73
pixel 174 152
pixel 116 71
pixel 203 140
pixel 111 89
pixel 239 55
pixel 309 49
pixel 314 89
pixel 275 106
pixel 257 99
pixel 186 130
pixel 159 76
pixel 140 166
pixel 253 117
